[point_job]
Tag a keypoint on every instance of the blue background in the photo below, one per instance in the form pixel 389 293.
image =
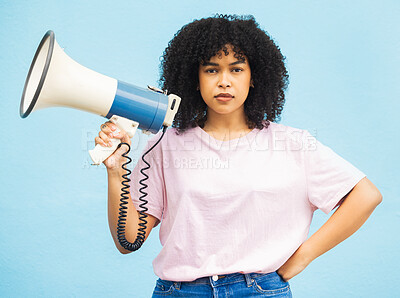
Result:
pixel 343 59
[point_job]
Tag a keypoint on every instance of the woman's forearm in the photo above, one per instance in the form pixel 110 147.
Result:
pixel 114 195
pixel 347 219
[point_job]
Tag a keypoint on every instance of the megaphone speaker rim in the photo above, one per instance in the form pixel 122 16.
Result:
pixel 49 34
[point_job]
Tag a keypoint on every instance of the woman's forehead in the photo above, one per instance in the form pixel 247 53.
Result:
pixel 227 52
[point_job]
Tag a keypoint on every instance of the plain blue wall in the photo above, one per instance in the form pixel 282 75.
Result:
pixel 343 59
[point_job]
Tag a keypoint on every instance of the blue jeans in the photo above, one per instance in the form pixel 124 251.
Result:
pixel 230 285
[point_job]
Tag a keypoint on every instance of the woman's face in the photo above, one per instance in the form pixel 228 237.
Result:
pixel 224 83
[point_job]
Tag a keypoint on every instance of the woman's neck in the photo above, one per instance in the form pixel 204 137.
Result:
pixel 223 125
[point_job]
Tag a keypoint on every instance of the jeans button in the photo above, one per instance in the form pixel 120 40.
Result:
pixel 215 277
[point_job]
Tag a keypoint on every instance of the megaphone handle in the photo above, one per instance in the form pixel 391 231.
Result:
pixel 100 153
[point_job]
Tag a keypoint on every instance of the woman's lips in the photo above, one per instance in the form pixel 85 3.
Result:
pixel 224 97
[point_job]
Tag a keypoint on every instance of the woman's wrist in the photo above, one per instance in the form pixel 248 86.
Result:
pixel 305 253
pixel 114 172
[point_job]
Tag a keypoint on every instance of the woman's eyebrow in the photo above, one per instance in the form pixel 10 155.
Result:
pixel 209 64
pixel 238 62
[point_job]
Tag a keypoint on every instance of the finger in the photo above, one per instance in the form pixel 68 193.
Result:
pixel 105 128
pixel 117 134
pixel 121 135
pixel 99 141
pixel 108 127
pixel 106 138
pixel 111 125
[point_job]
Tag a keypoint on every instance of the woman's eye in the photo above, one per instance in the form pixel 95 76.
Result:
pixel 211 70
pixel 237 70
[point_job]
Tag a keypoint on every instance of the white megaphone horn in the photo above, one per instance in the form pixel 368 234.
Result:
pixel 55 80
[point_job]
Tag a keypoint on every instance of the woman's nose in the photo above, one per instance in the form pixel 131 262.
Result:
pixel 224 80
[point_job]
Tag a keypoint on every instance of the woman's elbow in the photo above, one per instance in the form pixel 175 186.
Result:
pixel 124 251
pixel 120 248
pixel 379 198
pixel 371 191
pixel 376 194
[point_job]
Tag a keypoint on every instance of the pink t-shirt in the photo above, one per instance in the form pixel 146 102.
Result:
pixel 243 205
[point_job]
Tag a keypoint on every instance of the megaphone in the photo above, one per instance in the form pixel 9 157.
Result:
pixel 56 80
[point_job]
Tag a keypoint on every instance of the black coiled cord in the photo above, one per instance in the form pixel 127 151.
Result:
pixel 125 197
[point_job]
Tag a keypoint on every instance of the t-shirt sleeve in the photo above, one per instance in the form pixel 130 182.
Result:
pixel 155 182
pixel 329 176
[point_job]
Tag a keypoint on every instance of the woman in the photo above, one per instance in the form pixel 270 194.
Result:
pixel 234 191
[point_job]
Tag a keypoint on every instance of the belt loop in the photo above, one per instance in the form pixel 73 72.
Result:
pixel 248 279
pixel 177 285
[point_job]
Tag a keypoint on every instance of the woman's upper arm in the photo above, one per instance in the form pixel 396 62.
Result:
pixel 152 221
pixel 368 189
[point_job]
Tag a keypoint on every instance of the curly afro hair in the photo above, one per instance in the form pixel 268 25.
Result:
pixel 202 39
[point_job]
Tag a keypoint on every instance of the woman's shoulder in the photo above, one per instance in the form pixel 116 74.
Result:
pixel 286 129
pixel 293 137
pixel 270 127
pixel 171 134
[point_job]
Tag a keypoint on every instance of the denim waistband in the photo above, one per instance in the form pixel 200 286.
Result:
pixel 217 280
